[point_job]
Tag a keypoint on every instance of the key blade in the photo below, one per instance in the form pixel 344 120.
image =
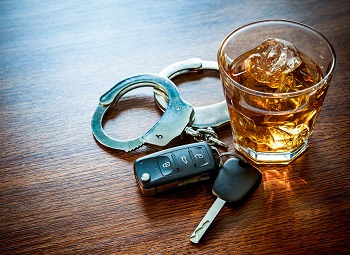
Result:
pixel 207 220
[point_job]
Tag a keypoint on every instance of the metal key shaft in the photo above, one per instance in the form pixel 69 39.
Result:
pixel 236 182
pixel 207 220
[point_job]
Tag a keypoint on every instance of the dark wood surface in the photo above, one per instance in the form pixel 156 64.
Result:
pixel 63 193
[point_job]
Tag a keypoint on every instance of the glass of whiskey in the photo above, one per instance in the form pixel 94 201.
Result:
pixel 275 75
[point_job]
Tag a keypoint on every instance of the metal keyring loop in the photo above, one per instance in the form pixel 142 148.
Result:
pixel 215 115
pixel 170 126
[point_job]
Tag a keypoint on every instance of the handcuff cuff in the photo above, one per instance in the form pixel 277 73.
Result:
pixel 179 116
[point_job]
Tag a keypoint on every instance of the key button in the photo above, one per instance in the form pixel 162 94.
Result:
pixel 184 160
pixel 166 164
pixel 200 156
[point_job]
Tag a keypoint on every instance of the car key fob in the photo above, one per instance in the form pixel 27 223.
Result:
pixel 237 180
pixel 235 183
pixel 174 167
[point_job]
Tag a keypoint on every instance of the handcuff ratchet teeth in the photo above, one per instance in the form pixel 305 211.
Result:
pixel 215 115
pixel 177 116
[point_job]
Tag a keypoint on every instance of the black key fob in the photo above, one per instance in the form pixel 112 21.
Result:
pixel 236 181
pixel 174 167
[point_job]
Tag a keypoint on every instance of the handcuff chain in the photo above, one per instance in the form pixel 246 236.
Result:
pixel 207 135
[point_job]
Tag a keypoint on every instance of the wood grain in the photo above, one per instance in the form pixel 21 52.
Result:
pixel 63 193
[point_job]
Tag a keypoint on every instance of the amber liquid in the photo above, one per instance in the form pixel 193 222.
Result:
pixel 268 124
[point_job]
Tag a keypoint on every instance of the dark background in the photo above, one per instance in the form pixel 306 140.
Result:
pixel 63 193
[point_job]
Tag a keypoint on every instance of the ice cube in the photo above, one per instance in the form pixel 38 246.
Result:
pixel 272 64
pixel 286 136
pixel 278 138
pixel 299 130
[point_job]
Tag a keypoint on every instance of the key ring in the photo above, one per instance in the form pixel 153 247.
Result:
pixel 176 117
pixel 215 115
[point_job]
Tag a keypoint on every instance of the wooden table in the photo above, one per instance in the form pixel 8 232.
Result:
pixel 63 193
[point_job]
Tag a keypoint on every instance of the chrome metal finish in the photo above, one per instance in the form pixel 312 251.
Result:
pixel 145 177
pixel 207 220
pixel 207 135
pixel 176 117
pixel 215 115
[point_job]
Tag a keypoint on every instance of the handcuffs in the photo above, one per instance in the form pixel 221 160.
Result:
pixel 179 116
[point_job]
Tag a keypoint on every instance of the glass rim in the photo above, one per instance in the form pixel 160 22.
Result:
pixel 286 94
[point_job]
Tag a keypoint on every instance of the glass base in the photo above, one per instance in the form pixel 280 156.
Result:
pixel 272 157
